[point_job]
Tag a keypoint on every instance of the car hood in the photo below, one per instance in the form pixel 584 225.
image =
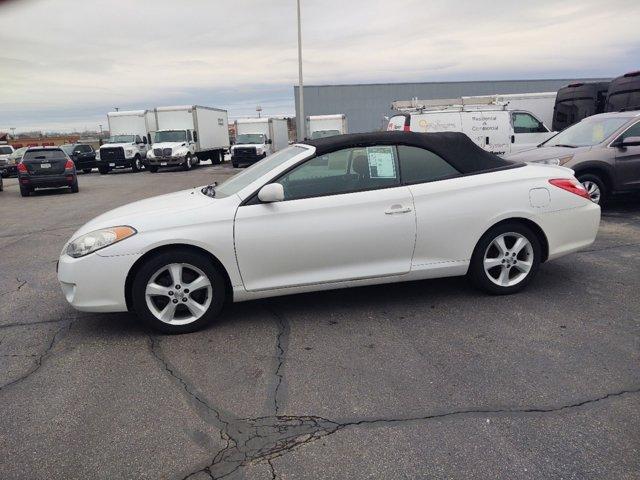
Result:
pixel 169 145
pixel 116 145
pixel 544 153
pixel 145 214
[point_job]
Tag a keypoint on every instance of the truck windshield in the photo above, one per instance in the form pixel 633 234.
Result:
pixel 324 133
pixel 586 133
pixel 250 138
pixel 68 149
pixel 5 150
pixel 257 170
pixel 170 136
pixel 121 139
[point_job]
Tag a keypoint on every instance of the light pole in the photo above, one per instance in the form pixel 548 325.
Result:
pixel 100 130
pixel 301 121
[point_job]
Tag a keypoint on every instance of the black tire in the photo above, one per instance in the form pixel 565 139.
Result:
pixel 480 278
pixel 86 170
pixel 187 165
pixel 25 191
pixel 74 186
pixel 593 179
pixel 235 164
pixel 136 164
pixel 217 158
pixel 103 170
pixel 152 168
pixel 184 256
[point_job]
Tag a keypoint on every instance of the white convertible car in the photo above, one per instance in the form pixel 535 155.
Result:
pixel 337 212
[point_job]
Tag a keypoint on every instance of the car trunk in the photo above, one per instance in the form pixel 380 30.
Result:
pixel 46 163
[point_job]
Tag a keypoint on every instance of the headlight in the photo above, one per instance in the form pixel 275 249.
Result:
pixel 563 160
pixel 259 151
pixel 93 241
pixel 549 161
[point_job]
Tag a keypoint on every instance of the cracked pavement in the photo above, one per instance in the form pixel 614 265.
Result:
pixel 421 380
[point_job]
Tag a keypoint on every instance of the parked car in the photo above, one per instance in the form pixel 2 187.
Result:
pixel 336 212
pixel 9 164
pixel 603 150
pixel 45 167
pixel 83 156
pixel 5 152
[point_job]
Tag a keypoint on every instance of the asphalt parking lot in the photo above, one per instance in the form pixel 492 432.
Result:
pixel 422 380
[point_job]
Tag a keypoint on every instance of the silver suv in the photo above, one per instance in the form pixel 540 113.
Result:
pixel 603 150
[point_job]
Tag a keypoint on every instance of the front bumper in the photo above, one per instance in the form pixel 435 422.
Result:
pixel 165 161
pixel 47 181
pixel 95 283
pixel 244 158
pixel 114 163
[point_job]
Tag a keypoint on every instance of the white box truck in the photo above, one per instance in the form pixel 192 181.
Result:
pixel 258 137
pixel 187 135
pixel 320 126
pixel 490 124
pixel 130 134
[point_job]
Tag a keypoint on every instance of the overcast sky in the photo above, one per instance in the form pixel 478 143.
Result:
pixel 65 63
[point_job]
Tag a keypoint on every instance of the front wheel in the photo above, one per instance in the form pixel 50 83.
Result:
pixel 505 259
pixel 594 185
pixel 187 163
pixel 136 166
pixel 178 291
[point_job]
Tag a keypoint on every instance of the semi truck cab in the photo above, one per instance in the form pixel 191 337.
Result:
pixel 173 148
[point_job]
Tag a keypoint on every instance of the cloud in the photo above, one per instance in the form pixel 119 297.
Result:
pixel 66 63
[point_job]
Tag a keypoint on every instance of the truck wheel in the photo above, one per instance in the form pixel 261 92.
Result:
pixel 235 164
pixel 136 166
pixel 153 168
pixel 217 158
pixel 103 170
pixel 595 186
pixel 187 163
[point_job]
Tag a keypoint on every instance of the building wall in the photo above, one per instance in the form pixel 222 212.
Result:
pixel 366 105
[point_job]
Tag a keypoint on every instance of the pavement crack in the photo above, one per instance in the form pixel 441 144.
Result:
pixel 40 357
pixel 611 247
pixel 43 322
pixel 282 343
pixel 274 476
pixel 21 283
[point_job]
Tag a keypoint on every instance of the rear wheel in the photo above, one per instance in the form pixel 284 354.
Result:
pixel 74 186
pixel 595 186
pixel 217 158
pixel 103 170
pixel 178 291
pixel 25 191
pixel 505 259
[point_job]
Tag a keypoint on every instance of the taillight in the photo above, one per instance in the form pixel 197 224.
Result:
pixel 407 128
pixel 22 168
pixel 69 165
pixel 572 186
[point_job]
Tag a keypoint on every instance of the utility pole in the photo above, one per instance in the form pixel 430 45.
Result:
pixel 259 110
pixel 301 119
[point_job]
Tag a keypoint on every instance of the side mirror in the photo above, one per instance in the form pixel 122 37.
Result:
pixel 629 142
pixel 269 142
pixel 273 192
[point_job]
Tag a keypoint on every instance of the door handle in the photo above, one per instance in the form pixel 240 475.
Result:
pixel 396 209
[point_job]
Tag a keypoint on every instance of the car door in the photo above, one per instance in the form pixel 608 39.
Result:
pixel 345 216
pixel 528 131
pixel 627 161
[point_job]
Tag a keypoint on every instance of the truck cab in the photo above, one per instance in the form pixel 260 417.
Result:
pixel 122 151
pixel 173 148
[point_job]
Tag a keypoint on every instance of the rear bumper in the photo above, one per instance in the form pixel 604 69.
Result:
pixel 571 230
pixel 95 283
pixel 47 181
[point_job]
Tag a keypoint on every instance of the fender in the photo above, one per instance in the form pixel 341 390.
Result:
pixel 601 165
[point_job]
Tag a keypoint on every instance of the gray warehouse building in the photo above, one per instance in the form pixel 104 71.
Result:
pixel 366 105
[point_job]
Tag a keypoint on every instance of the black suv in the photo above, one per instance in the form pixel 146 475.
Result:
pixel 83 156
pixel 43 167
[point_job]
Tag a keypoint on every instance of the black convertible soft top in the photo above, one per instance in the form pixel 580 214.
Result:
pixel 456 148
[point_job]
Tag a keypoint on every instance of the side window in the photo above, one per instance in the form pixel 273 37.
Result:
pixel 633 131
pixel 343 171
pixel 138 139
pixel 419 165
pixel 527 123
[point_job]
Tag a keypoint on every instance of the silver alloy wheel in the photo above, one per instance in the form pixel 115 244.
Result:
pixel 188 161
pixel 138 164
pixel 178 293
pixel 593 189
pixel 508 259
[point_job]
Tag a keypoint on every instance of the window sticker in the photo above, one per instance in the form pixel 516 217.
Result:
pixel 381 162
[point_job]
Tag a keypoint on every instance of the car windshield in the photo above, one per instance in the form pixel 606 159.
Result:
pixel 586 133
pixel 121 139
pixel 324 134
pixel 5 150
pixel 68 149
pixel 250 138
pixel 257 170
pixel 170 136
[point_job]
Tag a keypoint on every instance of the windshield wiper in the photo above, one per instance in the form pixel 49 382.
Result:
pixel 210 190
pixel 565 145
